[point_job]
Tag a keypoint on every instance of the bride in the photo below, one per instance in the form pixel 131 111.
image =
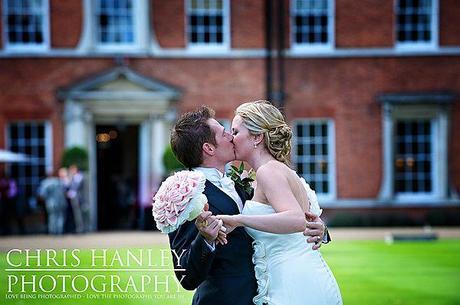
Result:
pixel 288 271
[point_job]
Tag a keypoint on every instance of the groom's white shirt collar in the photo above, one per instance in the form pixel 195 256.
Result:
pixel 216 177
pixel 212 174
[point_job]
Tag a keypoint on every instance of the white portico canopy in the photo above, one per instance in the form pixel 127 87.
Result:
pixel 121 95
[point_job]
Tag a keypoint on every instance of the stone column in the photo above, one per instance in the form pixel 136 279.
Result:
pixel 145 165
pixel 386 188
pixel 442 154
pixel 158 147
pixel 79 131
pixel 75 130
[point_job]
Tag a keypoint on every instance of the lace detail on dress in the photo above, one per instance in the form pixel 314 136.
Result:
pixel 260 266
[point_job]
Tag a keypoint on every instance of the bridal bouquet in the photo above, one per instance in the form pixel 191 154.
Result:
pixel 180 198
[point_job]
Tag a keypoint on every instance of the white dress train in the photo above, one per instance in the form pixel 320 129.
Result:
pixel 288 270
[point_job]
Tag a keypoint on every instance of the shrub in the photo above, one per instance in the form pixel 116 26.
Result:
pixel 75 155
pixel 170 162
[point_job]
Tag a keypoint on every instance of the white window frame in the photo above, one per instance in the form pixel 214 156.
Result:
pixel 27 47
pixel 226 123
pixel 314 47
pixel 48 143
pixel 228 126
pixel 439 123
pixel 209 47
pixel 332 194
pixel 419 45
pixel 140 28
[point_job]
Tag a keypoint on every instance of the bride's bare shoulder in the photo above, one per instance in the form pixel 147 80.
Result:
pixel 271 170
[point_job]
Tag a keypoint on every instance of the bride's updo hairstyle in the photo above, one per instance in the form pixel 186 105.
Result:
pixel 261 117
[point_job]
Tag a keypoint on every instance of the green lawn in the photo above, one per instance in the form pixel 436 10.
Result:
pixel 368 272
pixel 372 272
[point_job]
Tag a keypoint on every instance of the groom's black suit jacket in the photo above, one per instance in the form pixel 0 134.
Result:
pixel 223 276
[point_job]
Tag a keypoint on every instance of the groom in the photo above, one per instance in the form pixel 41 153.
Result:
pixel 221 274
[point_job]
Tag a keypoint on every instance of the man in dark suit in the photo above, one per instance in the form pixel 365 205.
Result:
pixel 221 274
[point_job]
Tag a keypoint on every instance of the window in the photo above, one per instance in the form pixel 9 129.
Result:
pixel 208 23
pixel 416 22
pixel 29 138
pixel 312 154
pixel 228 127
pixel 115 22
pixel 226 123
pixel 115 26
pixel 26 24
pixel 415 145
pixel 413 156
pixel 312 23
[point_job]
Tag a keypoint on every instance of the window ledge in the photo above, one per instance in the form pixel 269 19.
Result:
pixel 11 49
pixel 416 46
pixel 207 49
pixel 417 98
pixel 298 49
pixel 390 203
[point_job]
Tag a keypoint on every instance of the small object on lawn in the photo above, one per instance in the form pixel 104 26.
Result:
pixel 423 236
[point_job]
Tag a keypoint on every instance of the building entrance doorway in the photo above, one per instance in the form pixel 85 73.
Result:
pixel 117 150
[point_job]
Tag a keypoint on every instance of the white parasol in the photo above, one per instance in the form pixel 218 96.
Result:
pixel 9 156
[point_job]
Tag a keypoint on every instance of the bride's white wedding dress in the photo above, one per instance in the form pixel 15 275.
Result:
pixel 288 270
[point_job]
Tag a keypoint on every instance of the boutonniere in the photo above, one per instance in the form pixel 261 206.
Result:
pixel 243 178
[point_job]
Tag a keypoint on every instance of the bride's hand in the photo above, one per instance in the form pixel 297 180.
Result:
pixel 230 222
pixel 221 237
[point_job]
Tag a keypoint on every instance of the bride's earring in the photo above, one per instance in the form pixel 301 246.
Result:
pixel 255 145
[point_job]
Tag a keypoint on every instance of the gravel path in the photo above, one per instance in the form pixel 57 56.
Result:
pixel 145 239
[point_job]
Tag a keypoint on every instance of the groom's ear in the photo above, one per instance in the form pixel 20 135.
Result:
pixel 209 149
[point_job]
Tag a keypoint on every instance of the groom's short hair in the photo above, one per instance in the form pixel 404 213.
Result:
pixel 189 134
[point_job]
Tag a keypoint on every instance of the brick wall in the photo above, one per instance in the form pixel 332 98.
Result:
pixel 346 90
pixel 366 23
pixel 449 24
pixel 343 89
pixel 247 23
pixel 29 88
pixel 220 83
pixel 66 23
pixel 1 26
pixel 168 18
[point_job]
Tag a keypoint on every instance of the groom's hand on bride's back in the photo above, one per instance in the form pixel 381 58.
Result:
pixel 315 230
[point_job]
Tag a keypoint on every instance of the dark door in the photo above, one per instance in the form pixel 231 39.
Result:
pixel 117 176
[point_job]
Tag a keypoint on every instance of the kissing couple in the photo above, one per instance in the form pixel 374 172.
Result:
pixel 262 258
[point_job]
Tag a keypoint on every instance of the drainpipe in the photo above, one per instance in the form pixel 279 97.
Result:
pixel 268 47
pixel 280 54
pixel 274 47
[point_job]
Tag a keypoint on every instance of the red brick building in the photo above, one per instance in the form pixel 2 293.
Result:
pixel 369 87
